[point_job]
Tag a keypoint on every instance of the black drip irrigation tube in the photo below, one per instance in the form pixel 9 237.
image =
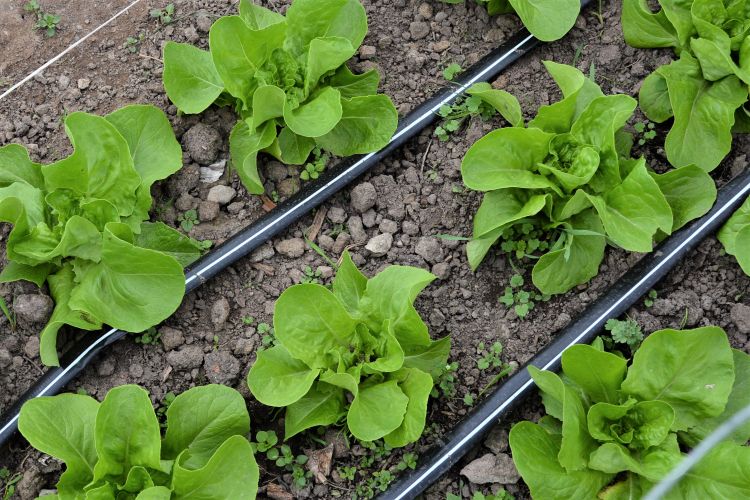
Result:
pixel 623 294
pixel 285 214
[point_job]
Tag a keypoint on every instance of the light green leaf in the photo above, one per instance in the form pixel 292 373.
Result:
pixel 367 124
pixel 654 98
pixel 351 85
pixel 190 77
pixel 258 17
pixel 324 55
pixel 278 379
pixel 430 359
pixel 646 29
pixel 268 103
pixel 311 19
pixel 547 20
pixel 16 166
pixel 502 207
pixel 504 102
pixel 416 385
pixel 369 419
pixel 722 474
pixel 159 236
pixel 598 373
pixel 692 370
pixel 244 146
pixel 690 192
pixel 155 493
pixel 349 284
pixel 295 149
pixel 317 116
pixel 322 405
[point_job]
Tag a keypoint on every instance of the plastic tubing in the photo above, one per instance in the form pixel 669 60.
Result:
pixel 285 214
pixel 615 302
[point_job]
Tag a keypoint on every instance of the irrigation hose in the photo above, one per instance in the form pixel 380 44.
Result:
pixel 253 236
pixel 623 294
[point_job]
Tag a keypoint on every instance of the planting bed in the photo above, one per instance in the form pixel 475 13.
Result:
pixel 390 216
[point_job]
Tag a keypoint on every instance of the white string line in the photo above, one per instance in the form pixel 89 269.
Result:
pixel 44 66
pixel 196 273
pixel 493 415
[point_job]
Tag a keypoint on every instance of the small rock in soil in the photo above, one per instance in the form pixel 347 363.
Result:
pixel 221 367
pixel 367 52
pixel 202 21
pixel 262 253
pixel 202 143
pixel 340 447
pixel 278 492
pixel 319 463
pixel 106 367
pixel 33 308
pixel 740 315
pixel 83 83
pixel 277 171
pixel 380 244
pixel 492 469
pixel 363 197
pixel 442 270
pixel 388 226
pixel 243 346
pixel 221 194
pixel 220 312
pixel 342 240
pixel 288 187
pixel 337 215
pixel 171 338
pixel 32 347
pixel 208 211
pixel 5 358
pixel 186 202
pixel 187 358
pixel 293 247
pixel 429 249
pixel 419 30
pixel 357 229
pixel 30 484
pixel 497 440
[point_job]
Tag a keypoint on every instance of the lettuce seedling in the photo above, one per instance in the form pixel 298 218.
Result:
pixel 606 422
pixel 735 236
pixel 114 449
pixel 568 175
pixel 547 20
pixel 706 89
pixel 79 224
pixel 359 353
pixel 287 79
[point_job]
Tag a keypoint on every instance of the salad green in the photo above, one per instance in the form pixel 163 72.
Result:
pixel 706 89
pixel 362 342
pixel 287 78
pixel 613 430
pixel 114 449
pixel 80 224
pixel 735 236
pixel 568 175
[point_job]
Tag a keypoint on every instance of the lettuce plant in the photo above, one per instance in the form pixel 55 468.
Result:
pixel 612 431
pixel 287 79
pixel 547 20
pixel 706 89
pixel 114 449
pixel 735 236
pixel 360 353
pixel 79 224
pixel 568 175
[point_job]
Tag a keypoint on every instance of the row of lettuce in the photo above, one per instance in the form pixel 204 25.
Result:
pixel 81 225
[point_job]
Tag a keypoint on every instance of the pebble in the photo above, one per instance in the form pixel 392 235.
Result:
pixel 337 215
pixel 5 357
pixel 442 270
pixel 425 10
pixel 363 197
pixel 171 338
pixel 221 194
pixel 740 315
pixel 342 240
pixel 367 52
pixel 497 440
pixel 429 249
pixel 202 21
pixel 33 308
pixel 264 252
pixel 83 83
pixel 380 244
pixel 410 228
pixel 356 229
pixel 208 211
pixel 63 82
pixel 388 226
pixel 185 202
pixel 220 312
pixel 106 367
pixel 293 247
pixel 288 187
pixel 202 142
pixel 187 358
pixel 492 469
pixel 277 171
pixel 221 367
pixel 31 348
pixel 419 30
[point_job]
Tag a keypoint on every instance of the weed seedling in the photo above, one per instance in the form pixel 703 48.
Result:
pixel 408 461
pixel 450 71
pixel 161 411
pixel 446 381
pixel 248 320
pixel 165 15
pixel 264 441
pixel 347 472
pixel 490 358
pixel 520 300
pixel 469 399
pixel 311 276
pixel 267 337
pixel 645 131
pixel 650 298
pixel 44 20
pixel 8 482
pixel 453 116
pixel 188 220
pixel 133 43
pixel 149 337
pixel 8 314
pixel 314 168
pixel 626 331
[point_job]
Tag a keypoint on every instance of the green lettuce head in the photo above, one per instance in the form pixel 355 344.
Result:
pixel 288 80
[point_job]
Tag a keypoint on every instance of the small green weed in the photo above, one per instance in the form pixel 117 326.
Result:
pixel 188 220
pixel 626 331
pixel 266 442
pixel 161 410
pixel 454 115
pixel 311 276
pixel 522 301
pixel 451 71
pixel 490 358
pixel 408 461
pixel 446 381
pixel 248 320
pixel 133 43
pixel 316 167
pixel 267 337
pixel 165 15
pixel 150 337
pixel 8 482
pixel 650 298
pixel 44 20
pixel 347 472
pixel 469 399
pixel 645 131
pixel 523 241
pixel 8 314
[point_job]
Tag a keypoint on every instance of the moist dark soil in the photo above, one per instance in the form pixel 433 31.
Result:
pixel 411 197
